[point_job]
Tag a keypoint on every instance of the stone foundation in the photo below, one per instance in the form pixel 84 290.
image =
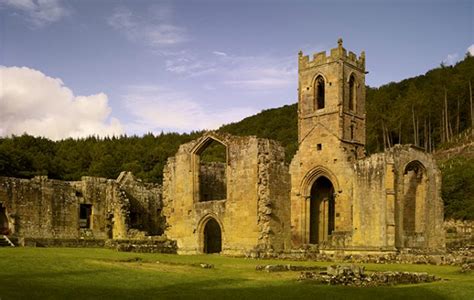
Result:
pixel 150 245
pixel 356 276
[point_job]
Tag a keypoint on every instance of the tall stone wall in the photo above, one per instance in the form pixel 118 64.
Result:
pixel 373 204
pixel 273 197
pixel 246 216
pixel 396 207
pixel 429 213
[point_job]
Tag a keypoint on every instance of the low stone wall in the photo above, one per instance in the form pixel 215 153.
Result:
pixel 71 243
pixel 354 275
pixel 150 245
pixel 454 258
pixel 284 268
pixel 459 234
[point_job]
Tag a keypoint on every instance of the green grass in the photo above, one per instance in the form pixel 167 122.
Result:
pixel 65 273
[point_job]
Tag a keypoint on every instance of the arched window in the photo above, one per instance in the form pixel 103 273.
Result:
pixel 414 198
pixel 319 92
pixel 352 93
pixel 211 168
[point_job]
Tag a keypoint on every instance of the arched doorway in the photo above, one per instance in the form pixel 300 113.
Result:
pixel 212 237
pixel 4 229
pixel 322 210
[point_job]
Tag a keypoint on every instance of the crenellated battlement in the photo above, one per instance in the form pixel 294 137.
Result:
pixel 336 54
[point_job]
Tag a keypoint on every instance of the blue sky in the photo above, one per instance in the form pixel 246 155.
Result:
pixel 75 68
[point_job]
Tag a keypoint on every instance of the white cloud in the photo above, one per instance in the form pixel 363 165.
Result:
pixel 157 108
pixel 244 72
pixel 186 65
pixel 470 49
pixel 156 32
pixel 261 72
pixel 451 59
pixel 219 53
pixel 39 12
pixel 40 105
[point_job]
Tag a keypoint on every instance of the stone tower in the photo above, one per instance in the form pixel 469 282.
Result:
pixel 331 136
pixel 331 99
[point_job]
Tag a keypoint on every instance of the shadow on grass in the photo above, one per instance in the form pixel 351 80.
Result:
pixel 225 288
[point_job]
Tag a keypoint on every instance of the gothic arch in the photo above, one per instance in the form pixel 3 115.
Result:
pixel 203 237
pixel 319 91
pixel 209 176
pixel 202 144
pixel 352 95
pixel 414 202
pixel 310 178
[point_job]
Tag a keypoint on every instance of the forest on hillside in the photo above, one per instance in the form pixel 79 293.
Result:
pixel 427 111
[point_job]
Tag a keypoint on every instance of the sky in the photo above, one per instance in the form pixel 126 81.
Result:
pixel 111 67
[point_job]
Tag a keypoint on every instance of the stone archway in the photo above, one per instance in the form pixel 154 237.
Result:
pixel 212 237
pixel 4 227
pixel 321 210
pixel 414 202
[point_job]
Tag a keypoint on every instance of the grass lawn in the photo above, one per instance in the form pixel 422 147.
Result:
pixel 66 273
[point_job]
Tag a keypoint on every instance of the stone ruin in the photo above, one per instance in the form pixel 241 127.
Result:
pixel 237 196
pixel 330 199
pixel 86 213
pixel 356 276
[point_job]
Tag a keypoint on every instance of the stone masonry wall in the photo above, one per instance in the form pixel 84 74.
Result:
pixel 146 204
pixel 42 208
pixel 373 210
pixel 250 217
pixel 273 197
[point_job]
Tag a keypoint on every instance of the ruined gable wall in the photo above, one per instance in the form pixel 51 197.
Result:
pixel 255 177
pixel 186 216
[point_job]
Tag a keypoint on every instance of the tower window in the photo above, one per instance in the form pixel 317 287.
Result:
pixel 352 93
pixel 319 92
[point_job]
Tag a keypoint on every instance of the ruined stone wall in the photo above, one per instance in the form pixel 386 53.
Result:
pixel 459 234
pixel 273 197
pixel 396 207
pixel 42 208
pixel 245 216
pixel 45 208
pixel 146 204
pixel 374 204
pixel 428 229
